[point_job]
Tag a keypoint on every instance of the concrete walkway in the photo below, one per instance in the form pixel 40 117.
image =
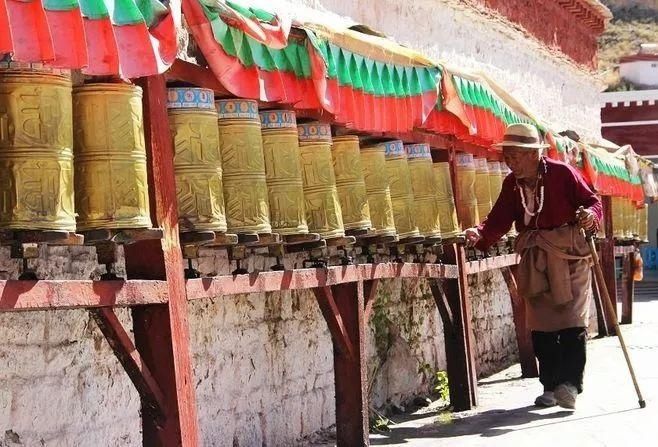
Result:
pixel 607 413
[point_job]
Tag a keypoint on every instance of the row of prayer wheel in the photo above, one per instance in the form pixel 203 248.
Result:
pixel 628 220
pixel 70 158
pixel 242 170
pixel 479 185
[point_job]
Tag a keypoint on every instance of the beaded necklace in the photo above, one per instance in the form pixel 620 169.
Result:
pixel 541 193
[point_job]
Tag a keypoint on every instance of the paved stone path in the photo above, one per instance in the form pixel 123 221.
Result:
pixel 607 413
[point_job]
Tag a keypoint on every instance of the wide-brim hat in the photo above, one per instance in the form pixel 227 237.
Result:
pixel 521 135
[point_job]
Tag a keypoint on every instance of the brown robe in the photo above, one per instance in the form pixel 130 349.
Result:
pixel 554 278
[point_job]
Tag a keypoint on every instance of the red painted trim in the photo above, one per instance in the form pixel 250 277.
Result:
pixel 42 295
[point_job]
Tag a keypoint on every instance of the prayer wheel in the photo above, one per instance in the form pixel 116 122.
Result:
pixel 350 183
pixel 618 220
pixel 505 171
pixel 466 200
pixel 373 162
pixel 633 219
pixel 402 196
pixel 243 163
pixel 36 150
pixel 323 212
pixel 419 159
pixel 495 180
pixel 445 200
pixel 643 227
pixel 197 161
pixel 482 187
pixel 283 169
pixel 111 185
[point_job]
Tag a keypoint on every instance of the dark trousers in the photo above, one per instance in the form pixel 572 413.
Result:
pixel 561 357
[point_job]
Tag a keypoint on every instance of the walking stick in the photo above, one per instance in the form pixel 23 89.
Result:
pixel 603 289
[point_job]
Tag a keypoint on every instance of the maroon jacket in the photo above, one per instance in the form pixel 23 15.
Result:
pixel 565 190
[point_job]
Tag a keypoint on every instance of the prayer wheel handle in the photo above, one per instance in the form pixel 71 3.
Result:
pixel 589 234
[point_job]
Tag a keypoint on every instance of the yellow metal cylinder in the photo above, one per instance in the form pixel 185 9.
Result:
pixel 373 162
pixel 445 200
pixel 350 183
pixel 504 172
pixel 243 163
pixel 419 159
pixel 283 169
pixel 402 196
pixel 323 211
pixel 482 187
pixel 618 220
pixel 197 161
pixel 632 219
pixel 466 200
pixel 495 180
pixel 36 151
pixel 111 185
pixel 643 224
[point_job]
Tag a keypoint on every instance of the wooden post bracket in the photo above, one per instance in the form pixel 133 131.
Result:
pixel 332 316
pixel 125 351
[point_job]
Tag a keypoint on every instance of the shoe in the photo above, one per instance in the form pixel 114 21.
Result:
pixel 565 395
pixel 546 400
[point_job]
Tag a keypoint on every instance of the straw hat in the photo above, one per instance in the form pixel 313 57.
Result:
pixel 521 135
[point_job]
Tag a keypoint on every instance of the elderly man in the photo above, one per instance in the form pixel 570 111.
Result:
pixel 549 202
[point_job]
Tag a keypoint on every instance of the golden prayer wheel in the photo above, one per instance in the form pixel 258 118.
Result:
pixel 643 227
pixel 283 169
pixel 495 180
pixel 633 219
pixel 323 212
pixel 482 187
pixel 466 199
pixel 243 163
pixel 373 162
pixel 419 159
pixel 36 150
pixel 402 196
pixel 197 161
pixel 505 171
pixel 111 185
pixel 618 220
pixel 350 183
pixel 445 200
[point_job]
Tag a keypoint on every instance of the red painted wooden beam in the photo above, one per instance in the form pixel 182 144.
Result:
pixel 161 331
pixel 42 295
pixel 311 278
pixel 194 74
pixel 132 362
pixel 334 320
pixel 493 263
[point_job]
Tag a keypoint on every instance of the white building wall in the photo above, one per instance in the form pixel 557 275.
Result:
pixel 642 73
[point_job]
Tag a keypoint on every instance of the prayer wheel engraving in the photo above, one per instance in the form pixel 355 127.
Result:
pixel 350 184
pixel 378 191
pixel 243 163
pixel 419 159
pixel 323 211
pixel 402 196
pixel 111 186
pixel 445 200
pixel 283 168
pixel 482 187
pixel 466 199
pixel 197 161
pixel 36 151
pixel 495 180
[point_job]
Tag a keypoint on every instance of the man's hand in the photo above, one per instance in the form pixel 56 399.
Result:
pixel 472 236
pixel 586 219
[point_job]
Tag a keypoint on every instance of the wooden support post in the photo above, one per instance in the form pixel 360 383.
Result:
pixel 161 330
pixel 350 372
pixel 124 349
pixel 459 342
pixel 602 324
pixel 627 289
pixel 523 337
pixel 369 296
pixel 607 255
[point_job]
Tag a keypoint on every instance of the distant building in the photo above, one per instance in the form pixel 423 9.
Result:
pixel 641 69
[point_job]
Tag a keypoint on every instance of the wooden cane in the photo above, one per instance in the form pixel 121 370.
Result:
pixel 603 289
